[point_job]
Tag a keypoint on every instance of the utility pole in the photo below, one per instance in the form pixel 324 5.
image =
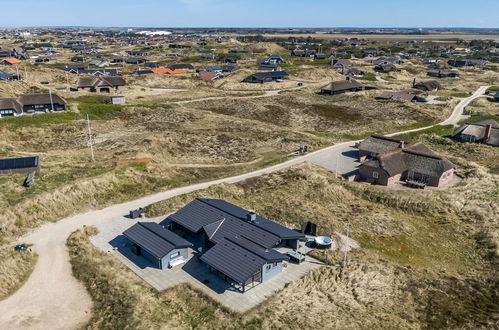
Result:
pixel 90 140
pixel 345 256
pixel 67 82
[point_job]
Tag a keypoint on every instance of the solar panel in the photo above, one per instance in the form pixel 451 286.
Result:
pixel 14 163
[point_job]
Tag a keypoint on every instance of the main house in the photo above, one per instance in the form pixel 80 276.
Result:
pixel 343 86
pixel 427 86
pixel 467 62
pixel 439 73
pixel 486 132
pixel 264 77
pixel 31 103
pixel 101 84
pixel 404 95
pixel 386 161
pixel 181 66
pixel 238 245
pixel 341 63
pixel 386 68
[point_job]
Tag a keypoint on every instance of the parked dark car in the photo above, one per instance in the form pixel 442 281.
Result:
pixel 21 247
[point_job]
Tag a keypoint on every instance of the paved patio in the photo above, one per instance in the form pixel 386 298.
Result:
pixel 194 272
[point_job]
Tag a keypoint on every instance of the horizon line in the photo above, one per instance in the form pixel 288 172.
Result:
pixel 249 27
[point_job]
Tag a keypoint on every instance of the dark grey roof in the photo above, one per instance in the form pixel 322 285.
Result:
pixel 388 67
pixel 341 85
pixel 45 98
pixel 266 76
pixel 4 75
pixel 218 224
pixel 236 258
pixel 428 85
pixel 101 81
pixel 179 66
pixel 195 215
pixel 11 104
pixel 212 228
pixel 387 59
pixel 139 72
pixel 270 255
pixel 155 239
pixel 231 226
pixel 223 68
pixel 14 163
pixel 261 222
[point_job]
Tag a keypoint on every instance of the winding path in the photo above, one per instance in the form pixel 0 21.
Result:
pixel 53 299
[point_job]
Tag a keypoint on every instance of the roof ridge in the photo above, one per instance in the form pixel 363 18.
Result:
pixel 141 223
pixel 419 153
pixel 234 241
pixel 388 138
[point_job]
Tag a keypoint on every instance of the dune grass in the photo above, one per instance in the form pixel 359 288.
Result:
pixel 15 269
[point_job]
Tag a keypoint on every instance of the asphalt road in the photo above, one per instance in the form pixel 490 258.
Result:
pixel 52 298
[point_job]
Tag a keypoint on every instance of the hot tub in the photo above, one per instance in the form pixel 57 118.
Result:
pixel 323 242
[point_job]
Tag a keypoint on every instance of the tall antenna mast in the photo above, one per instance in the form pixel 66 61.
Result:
pixel 90 139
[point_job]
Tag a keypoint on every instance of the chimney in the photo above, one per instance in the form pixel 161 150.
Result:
pixel 402 145
pixel 414 82
pixel 488 131
pixel 251 216
pixel 349 78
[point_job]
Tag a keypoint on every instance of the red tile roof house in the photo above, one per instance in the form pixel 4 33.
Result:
pixel 10 61
pixel 386 161
pixel 209 76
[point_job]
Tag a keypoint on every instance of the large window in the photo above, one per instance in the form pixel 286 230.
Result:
pixel 174 255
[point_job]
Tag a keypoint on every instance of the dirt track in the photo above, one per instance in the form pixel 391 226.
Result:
pixel 53 299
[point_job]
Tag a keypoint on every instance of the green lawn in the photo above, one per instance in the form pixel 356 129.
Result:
pixel 369 76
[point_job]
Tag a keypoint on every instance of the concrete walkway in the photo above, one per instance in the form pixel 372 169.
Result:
pixel 53 299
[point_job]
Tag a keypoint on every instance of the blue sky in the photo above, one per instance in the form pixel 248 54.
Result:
pixel 255 13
